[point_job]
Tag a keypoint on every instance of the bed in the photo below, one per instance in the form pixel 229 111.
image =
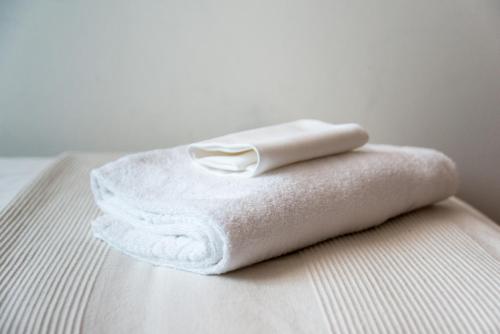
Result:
pixel 434 270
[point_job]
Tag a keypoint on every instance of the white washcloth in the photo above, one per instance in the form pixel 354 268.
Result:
pixel 162 209
pixel 253 152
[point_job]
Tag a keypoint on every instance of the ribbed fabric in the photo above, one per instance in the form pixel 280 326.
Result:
pixel 48 257
pixel 411 275
pixel 418 273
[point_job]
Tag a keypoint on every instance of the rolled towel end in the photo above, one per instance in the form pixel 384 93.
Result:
pixel 201 250
pixel 190 242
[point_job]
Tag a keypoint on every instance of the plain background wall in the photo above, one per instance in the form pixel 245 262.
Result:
pixel 100 75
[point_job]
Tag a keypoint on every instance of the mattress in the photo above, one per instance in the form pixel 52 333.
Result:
pixel 434 270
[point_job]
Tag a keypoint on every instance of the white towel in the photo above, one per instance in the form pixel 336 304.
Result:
pixel 253 152
pixel 162 209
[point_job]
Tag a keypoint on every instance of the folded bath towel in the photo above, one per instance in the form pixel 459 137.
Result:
pixel 253 152
pixel 162 209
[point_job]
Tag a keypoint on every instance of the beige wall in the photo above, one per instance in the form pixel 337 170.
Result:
pixel 134 75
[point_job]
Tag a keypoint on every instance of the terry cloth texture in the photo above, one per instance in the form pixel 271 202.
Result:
pixel 160 208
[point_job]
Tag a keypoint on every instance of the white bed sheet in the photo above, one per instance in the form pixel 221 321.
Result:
pixel 435 270
pixel 16 173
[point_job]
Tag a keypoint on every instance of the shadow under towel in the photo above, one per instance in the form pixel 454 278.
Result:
pixel 161 208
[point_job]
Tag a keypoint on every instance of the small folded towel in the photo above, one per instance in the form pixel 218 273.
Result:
pixel 161 209
pixel 253 152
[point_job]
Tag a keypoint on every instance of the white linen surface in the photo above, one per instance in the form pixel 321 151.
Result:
pixel 162 209
pixel 16 173
pixel 253 152
pixel 434 270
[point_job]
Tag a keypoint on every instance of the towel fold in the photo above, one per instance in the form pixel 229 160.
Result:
pixel 253 152
pixel 162 209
